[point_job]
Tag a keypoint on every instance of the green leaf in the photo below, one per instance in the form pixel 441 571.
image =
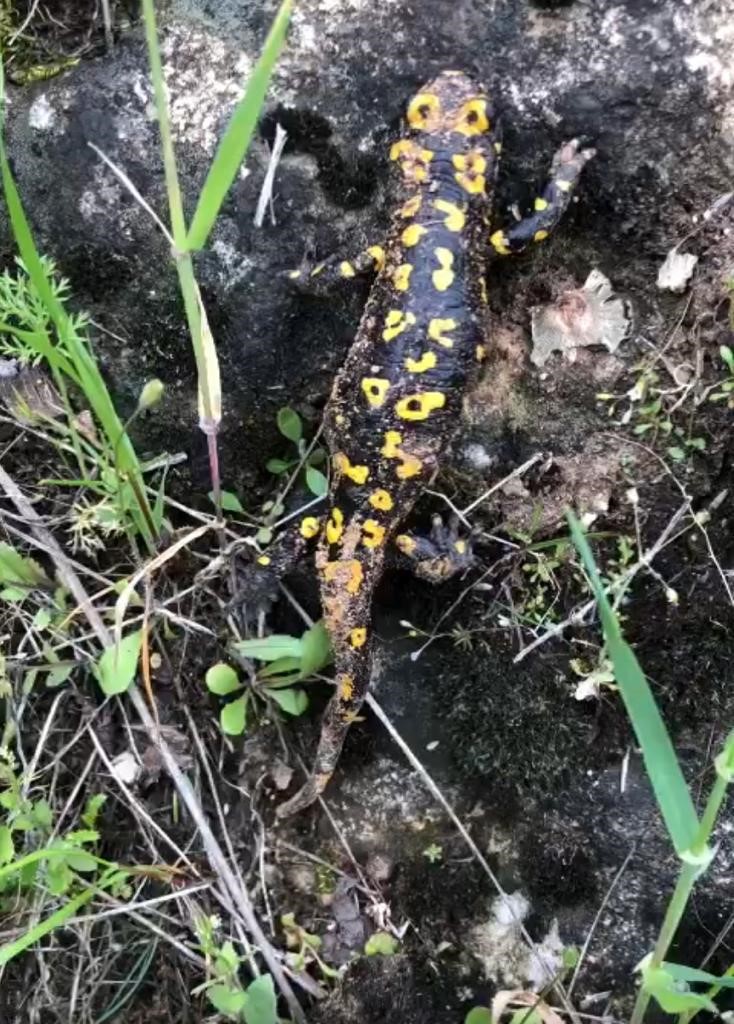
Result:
pixel 316 482
pixel 289 424
pixel 92 808
pixel 676 453
pixel 41 815
pixel 280 667
pixel 672 995
pixel 227 961
pixel 294 702
pixel 236 140
pixel 663 769
pixel 80 860
pixel 226 999
pixel 7 847
pixel 478 1015
pixel 15 569
pixel 230 501
pixel 315 650
pixel 270 648
pixel 278 466
pixel 682 973
pixel 728 356
pixel 116 669
pixel 42 619
pixel 233 716
pixel 260 1003
pixel 381 944
pixel 222 679
pixel 59 877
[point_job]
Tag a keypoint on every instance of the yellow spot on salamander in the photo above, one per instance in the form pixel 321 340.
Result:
pixel 263 560
pixel 411 206
pixel 483 291
pixel 390 448
pixel 563 186
pixel 317 269
pixel 480 353
pixel 410 466
pixel 437 329
pixel 378 255
pixel 346 683
pixel 357 638
pixel 500 242
pixel 412 235
pixel 444 277
pixel 381 500
pixel 424 112
pixel 401 277
pixel 460 546
pixel 373 533
pixel 414 160
pixel 335 526
pixel 347 573
pixel 455 219
pixel 540 235
pixel 426 362
pixel 473 118
pixel 498 148
pixel 420 406
pixel 375 389
pixel 358 474
pixel 294 274
pixel 470 169
pixel 309 527
pixel 540 204
pixel 340 419
pixel 396 322
pixel 356 575
pixel 405 543
pixel 346 269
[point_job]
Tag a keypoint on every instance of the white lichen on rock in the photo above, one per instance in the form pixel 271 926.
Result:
pixel 505 955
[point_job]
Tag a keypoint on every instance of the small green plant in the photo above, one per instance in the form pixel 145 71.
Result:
pixel 254 1004
pixel 307 456
pixel 667 983
pixel 725 392
pixel 287 660
pixel 381 944
pixel 36 863
pixel 650 409
pixel 433 853
pixel 304 948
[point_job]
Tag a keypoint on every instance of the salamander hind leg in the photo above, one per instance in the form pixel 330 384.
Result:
pixel 438 556
pixel 566 167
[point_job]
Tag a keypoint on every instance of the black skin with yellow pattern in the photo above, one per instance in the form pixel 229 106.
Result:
pixel 396 402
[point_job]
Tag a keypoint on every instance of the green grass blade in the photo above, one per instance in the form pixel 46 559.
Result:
pixel 236 139
pixel 663 769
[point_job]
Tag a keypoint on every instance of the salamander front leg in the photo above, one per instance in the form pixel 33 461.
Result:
pixel 438 556
pixel 565 171
pixel 323 277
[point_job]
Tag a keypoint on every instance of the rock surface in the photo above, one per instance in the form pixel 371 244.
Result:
pixel 650 84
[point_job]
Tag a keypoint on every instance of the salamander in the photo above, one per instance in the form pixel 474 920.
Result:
pixel 396 402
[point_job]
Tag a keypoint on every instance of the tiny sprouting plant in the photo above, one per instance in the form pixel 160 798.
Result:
pixel 725 388
pixel 255 1003
pixel 287 661
pixel 307 457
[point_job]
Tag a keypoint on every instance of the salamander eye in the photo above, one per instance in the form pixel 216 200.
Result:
pixel 424 111
pixel 473 119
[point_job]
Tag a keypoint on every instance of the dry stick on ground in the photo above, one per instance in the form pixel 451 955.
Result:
pixel 215 855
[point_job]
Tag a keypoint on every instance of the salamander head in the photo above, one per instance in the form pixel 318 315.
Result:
pixel 450 120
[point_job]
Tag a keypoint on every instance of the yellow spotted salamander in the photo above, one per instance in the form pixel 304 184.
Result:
pixel 396 402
